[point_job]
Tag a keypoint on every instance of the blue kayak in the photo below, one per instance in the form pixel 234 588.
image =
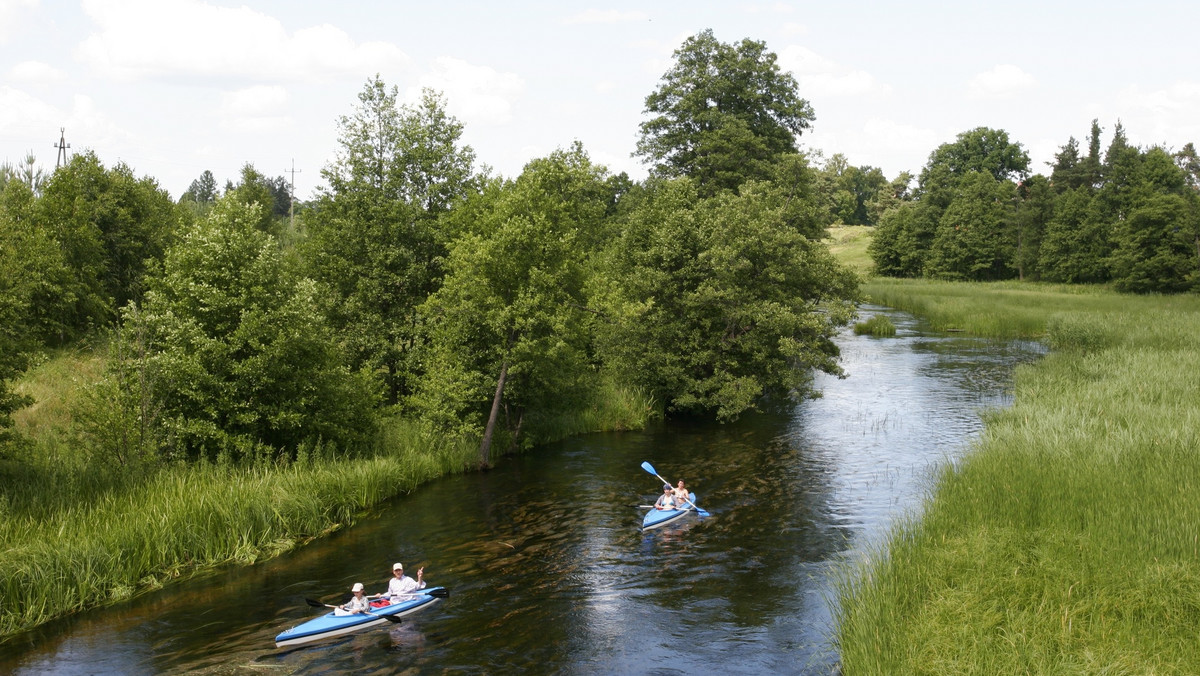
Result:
pixel 331 624
pixel 661 517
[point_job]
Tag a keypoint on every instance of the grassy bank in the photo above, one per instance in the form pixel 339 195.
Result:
pixel 75 534
pixel 1068 539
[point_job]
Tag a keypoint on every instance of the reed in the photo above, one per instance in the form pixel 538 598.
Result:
pixel 877 325
pixel 1066 540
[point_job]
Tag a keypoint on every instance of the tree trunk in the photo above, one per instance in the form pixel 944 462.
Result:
pixel 485 446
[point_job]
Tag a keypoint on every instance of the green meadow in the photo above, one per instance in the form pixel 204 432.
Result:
pixel 1067 540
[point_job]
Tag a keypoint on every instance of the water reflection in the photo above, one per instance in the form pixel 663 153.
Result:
pixel 547 568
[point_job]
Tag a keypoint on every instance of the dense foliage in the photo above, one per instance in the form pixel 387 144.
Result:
pixel 721 301
pixel 722 114
pixel 237 359
pixel 374 237
pixel 1130 217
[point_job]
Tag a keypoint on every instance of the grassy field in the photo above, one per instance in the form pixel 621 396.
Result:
pixel 849 244
pixel 1068 539
pixel 76 534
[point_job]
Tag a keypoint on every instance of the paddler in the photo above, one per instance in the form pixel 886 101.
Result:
pixel 401 585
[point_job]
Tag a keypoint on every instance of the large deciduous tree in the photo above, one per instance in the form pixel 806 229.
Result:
pixel 509 328
pixel 109 225
pixel 972 241
pixel 953 176
pixel 237 356
pixel 719 302
pixel 374 235
pixel 722 114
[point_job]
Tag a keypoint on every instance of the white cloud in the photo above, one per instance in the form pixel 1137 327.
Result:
pixel 12 15
pixel 19 109
pixel 254 100
pixel 898 138
pixel 1003 81
pixel 793 28
pixel 169 38
pixel 25 115
pixel 255 109
pixel 767 8
pixel 475 94
pixel 1160 116
pixel 592 16
pixel 820 77
pixel 36 71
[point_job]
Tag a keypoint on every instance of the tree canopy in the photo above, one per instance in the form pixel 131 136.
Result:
pixel 722 114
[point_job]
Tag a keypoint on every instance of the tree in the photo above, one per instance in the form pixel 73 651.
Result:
pixel 374 235
pixel 255 188
pixel 508 328
pixel 1035 209
pixel 37 283
pixel 1076 244
pixel 238 356
pixel 722 114
pixel 1154 247
pixel 203 190
pixel 970 243
pixel 720 302
pixel 978 150
pixel 950 175
pixel 28 259
pixel 901 241
pixel 109 225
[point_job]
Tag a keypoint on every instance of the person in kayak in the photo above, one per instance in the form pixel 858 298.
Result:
pixel 402 585
pixel 356 605
pixel 667 499
pixel 681 494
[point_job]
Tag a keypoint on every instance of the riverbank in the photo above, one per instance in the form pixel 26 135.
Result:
pixel 76 534
pixel 1067 540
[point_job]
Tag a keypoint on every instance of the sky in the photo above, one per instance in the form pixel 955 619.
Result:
pixel 176 87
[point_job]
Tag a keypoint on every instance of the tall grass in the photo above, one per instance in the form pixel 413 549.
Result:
pixel 1068 539
pixel 73 535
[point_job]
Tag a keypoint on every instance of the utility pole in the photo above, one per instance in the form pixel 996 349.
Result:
pixel 292 195
pixel 62 146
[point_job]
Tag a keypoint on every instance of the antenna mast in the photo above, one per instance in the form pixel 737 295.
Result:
pixel 62 146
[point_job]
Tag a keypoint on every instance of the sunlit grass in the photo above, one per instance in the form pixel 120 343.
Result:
pixel 848 243
pixel 1068 539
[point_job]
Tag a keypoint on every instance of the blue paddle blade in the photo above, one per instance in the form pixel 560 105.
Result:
pixel 649 468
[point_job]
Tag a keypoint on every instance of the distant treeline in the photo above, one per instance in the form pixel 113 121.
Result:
pixel 1128 216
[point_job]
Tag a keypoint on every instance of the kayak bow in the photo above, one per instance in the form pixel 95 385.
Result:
pixel 661 517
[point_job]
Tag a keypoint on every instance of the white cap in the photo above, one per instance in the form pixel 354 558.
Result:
pixel 397 566
pixel 357 587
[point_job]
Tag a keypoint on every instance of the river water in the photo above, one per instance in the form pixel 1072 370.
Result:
pixel 547 568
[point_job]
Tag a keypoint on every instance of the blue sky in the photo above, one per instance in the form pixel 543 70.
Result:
pixel 175 87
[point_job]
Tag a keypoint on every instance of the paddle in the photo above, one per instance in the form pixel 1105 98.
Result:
pixel 317 604
pixel 650 468
pixel 436 592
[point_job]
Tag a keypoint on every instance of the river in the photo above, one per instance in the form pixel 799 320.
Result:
pixel 547 568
